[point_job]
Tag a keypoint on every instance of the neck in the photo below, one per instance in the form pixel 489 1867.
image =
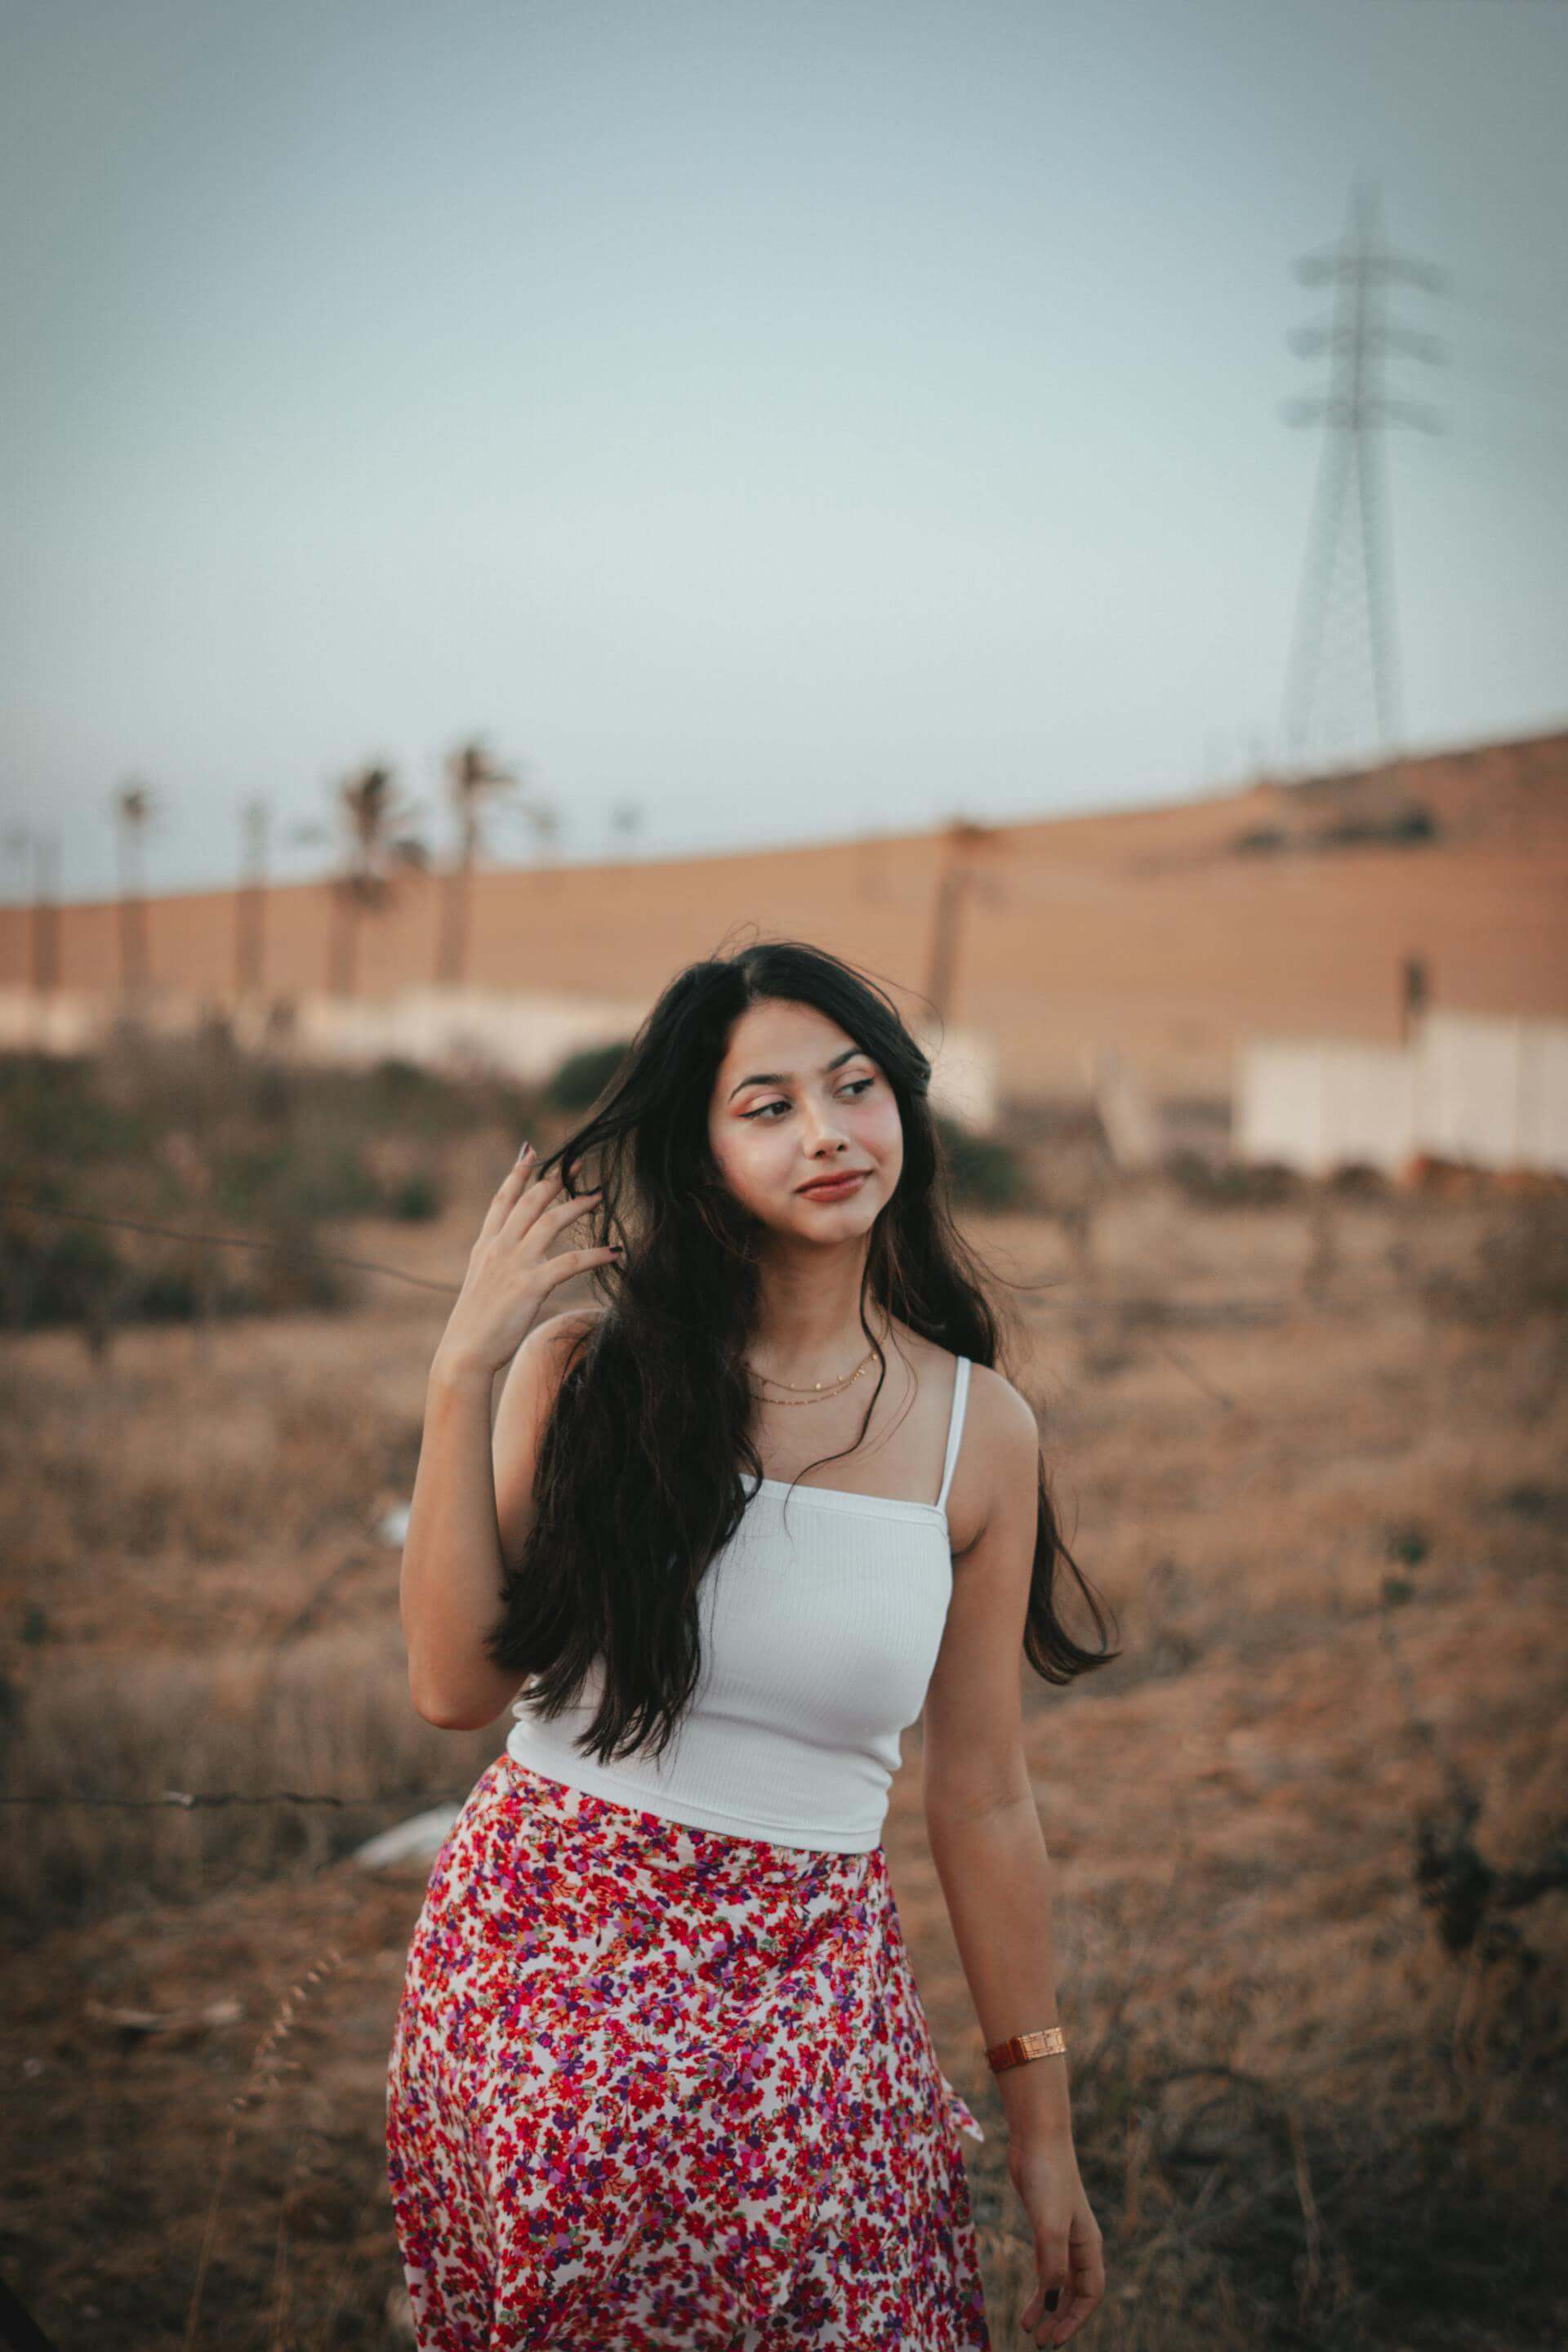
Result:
pixel 808 1311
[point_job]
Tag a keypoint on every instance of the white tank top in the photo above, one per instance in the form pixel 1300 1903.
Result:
pixel 821 1618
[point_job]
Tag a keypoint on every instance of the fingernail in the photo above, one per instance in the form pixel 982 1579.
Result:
pixel 524 1153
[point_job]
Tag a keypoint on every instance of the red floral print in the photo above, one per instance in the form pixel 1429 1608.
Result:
pixel 657 2087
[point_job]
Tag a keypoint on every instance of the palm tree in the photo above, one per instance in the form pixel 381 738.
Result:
pixel 46 923
pixel 378 854
pixel 18 841
pixel 251 901
pixel 626 818
pixel 472 779
pixel 964 841
pixel 545 819
pixel 132 807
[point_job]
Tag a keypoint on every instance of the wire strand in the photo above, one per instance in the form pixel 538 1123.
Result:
pixel 188 1799
pixel 232 1241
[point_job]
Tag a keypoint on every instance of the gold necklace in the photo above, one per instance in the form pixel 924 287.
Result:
pixel 820 1389
pixel 821 1396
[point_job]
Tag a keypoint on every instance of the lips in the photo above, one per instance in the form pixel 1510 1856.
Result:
pixel 837 1188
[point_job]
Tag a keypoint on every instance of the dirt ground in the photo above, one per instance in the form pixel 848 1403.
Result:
pixel 1309 1834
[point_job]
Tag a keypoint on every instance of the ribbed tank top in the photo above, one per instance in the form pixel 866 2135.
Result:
pixel 821 1618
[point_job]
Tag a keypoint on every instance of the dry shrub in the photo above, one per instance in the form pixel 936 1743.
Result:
pixel 117 1485
pixel 330 1717
pixel 1303 2114
pixel 1520 1269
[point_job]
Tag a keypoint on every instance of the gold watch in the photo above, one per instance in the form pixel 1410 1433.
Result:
pixel 1020 2047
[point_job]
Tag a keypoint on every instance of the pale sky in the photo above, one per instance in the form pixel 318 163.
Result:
pixel 792 419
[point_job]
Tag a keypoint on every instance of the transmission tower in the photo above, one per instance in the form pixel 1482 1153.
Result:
pixel 1343 683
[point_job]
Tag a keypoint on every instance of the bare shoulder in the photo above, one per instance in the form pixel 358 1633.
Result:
pixel 995 1479
pixel 528 1393
pixel 557 1335
pixel 539 1364
pixel 1001 1409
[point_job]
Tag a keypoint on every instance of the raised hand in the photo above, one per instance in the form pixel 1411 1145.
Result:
pixel 509 1276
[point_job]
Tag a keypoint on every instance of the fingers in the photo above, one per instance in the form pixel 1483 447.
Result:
pixel 521 1199
pixel 545 1210
pixel 560 1269
pixel 1069 2257
pixel 1052 2293
pixel 506 1193
pixel 1081 2293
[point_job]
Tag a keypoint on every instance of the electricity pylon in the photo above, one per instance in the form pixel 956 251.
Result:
pixel 1344 660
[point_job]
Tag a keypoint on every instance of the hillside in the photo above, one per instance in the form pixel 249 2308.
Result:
pixel 1169 932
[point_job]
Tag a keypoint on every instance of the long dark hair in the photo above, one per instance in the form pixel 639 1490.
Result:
pixel 639 1477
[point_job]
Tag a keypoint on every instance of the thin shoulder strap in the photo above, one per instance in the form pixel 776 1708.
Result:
pixel 954 1427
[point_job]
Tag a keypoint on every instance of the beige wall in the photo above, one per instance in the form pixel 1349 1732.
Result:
pixel 1145 930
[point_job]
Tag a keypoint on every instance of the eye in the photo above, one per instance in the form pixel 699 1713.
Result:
pixel 855 1087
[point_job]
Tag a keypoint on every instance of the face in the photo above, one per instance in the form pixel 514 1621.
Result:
pixel 795 1101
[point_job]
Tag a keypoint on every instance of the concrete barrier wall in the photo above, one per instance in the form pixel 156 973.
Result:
pixel 52 1021
pixel 523 1037
pixel 1543 1129
pixel 1316 1105
pixel 1496 1091
pixel 1493 1092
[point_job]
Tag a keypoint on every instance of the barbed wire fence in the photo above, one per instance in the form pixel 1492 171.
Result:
pixel 231 1241
pixel 1444 1864
pixel 188 1801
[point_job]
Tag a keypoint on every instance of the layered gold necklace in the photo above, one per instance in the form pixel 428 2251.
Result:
pixel 817 1391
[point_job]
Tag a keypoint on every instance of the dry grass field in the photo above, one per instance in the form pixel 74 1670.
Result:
pixel 1309 1834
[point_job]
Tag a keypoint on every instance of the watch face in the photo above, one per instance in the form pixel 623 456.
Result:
pixel 1023 2047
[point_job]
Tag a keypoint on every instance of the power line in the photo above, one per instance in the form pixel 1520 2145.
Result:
pixel 448 1289
pixel 190 1800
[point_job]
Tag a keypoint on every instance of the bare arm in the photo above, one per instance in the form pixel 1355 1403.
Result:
pixel 990 1850
pixel 472 1507
pixel 473 1497
pixel 981 1818
pixel 450 1585
pixel 996 1878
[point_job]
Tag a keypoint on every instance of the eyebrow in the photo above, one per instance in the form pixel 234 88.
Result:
pixel 782 1077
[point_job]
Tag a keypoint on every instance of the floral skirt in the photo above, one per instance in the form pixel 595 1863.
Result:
pixel 654 2085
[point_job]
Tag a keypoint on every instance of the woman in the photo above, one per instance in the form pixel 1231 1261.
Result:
pixel 661 2076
